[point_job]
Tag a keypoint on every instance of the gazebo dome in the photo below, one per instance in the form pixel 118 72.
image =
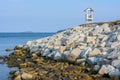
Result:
pixel 89 9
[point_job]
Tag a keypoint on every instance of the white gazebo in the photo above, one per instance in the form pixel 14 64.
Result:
pixel 89 15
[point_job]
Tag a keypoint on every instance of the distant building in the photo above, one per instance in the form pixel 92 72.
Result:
pixel 89 15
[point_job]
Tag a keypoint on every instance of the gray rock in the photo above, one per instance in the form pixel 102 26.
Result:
pixel 68 48
pixel 73 55
pixel 102 44
pixel 34 48
pixel 85 52
pixel 112 37
pixel 8 50
pixel 106 61
pixel 95 52
pixel 26 76
pixel 62 49
pixel 118 37
pixel 105 38
pixel 76 52
pixel 92 60
pixel 46 52
pixel 106 69
pixel 116 63
pixel 91 39
pixel 19 46
pixel 96 67
pixel 66 52
pixel 115 74
pixel 29 43
pixel 115 53
pixel 57 56
pixel 18 77
pixel 82 46
pixel 51 55
pixel 56 47
pixel 105 27
pixel 98 29
pixel 81 61
pixel 118 57
pixel 115 44
pixel 63 41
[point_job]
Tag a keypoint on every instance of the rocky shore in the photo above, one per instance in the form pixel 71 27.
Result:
pixel 85 52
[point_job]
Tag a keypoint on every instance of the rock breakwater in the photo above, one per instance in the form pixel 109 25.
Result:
pixel 85 52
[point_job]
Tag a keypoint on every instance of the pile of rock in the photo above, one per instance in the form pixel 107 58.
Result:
pixel 98 46
pixel 43 69
pixel 95 48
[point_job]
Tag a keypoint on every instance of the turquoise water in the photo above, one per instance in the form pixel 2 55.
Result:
pixel 10 40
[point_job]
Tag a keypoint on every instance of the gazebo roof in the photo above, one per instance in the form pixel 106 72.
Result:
pixel 89 9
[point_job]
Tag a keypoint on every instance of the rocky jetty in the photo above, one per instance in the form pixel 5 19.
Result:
pixel 85 52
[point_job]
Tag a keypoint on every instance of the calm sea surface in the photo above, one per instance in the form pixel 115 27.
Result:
pixel 10 40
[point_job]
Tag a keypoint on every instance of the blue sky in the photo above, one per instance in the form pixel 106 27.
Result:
pixel 52 15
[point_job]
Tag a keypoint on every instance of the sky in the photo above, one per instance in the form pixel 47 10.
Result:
pixel 53 15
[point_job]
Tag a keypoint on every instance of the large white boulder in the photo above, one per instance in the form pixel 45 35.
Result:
pixel 76 52
pixel 95 52
pixel 91 39
pixel 73 55
pixel 105 27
